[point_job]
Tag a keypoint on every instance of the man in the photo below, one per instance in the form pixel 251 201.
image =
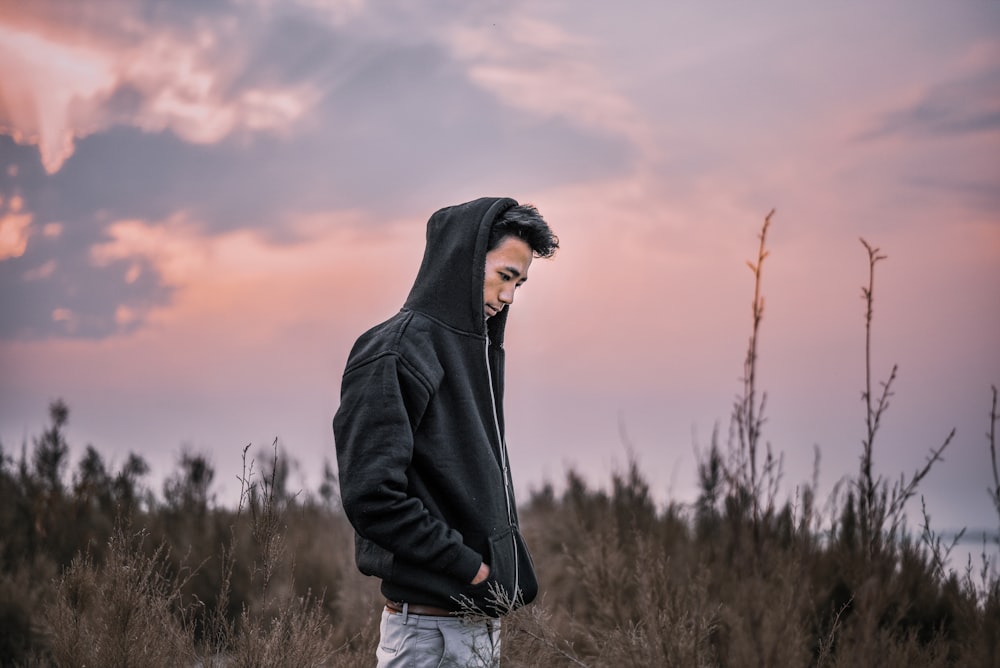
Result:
pixel 424 476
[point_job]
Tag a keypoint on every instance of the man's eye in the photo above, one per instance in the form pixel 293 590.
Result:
pixel 504 276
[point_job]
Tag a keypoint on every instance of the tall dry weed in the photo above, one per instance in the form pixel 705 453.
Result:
pixel 124 612
pixel 277 628
pixel 881 507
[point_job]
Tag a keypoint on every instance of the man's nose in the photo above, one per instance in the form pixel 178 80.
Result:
pixel 507 296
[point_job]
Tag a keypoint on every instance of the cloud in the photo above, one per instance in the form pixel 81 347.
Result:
pixel 14 228
pixel 978 193
pixel 303 106
pixel 540 67
pixel 172 248
pixel 49 286
pixel 40 272
pixel 182 88
pixel 239 280
pixel 46 87
pixel 152 78
pixel 207 75
pixel 969 105
pixel 253 121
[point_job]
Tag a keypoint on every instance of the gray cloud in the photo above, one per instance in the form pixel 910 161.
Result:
pixel 962 107
pixel 78 300
pixel 54 289
pixel 404 119
pixel 978 194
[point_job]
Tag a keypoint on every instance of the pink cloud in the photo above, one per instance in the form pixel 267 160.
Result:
pixel 41 272
pixel 539 67
pixel 14 229
pixel 335 267
pixel 45 85
pixel 56 90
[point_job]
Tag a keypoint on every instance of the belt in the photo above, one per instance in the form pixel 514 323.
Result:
pixel 414 609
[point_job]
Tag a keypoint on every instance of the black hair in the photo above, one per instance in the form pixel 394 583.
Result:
pixel 524 222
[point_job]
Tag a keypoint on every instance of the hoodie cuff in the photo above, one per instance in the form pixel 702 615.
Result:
pixel 467 565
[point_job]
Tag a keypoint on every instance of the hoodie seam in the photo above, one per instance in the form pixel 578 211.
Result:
pixel 450 328
pixel 423 380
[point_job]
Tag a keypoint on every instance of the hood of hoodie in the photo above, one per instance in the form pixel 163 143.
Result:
pixel 449 284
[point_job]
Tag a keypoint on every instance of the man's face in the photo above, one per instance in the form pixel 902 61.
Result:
pixel 506 270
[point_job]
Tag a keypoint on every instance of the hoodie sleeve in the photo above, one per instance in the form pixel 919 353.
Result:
pixel 381 404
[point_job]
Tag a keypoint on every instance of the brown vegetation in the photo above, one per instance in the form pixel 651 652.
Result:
pixel 102 572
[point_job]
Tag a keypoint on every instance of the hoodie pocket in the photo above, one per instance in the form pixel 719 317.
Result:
pixel 512 582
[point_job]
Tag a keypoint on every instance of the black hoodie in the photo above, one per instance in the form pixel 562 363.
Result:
pixel 420 433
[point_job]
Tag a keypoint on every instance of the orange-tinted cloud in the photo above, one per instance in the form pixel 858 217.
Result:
pixel 14 228
pixel 48 90
pixel 540 67
pixel 55 92
pixel 331 268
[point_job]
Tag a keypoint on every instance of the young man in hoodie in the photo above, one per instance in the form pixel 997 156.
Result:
pixel 423 468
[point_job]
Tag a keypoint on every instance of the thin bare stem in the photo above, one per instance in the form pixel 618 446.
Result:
pixel 939 552
pixel 826 643
pixel 904 492
pixel 878 507
pixel 749 412
pixel 868 492
pixel 869 296
pixel 549 644
pixel 992 439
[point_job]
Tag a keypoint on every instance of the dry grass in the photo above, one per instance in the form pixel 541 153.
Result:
pixel 126 612
pixel 739 578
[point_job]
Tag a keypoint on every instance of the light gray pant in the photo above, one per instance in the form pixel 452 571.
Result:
pixel 425 641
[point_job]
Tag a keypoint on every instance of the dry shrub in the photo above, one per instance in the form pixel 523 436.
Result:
pixel 322 544
pixel 674 626
pixel 126 612
pixel 297 634
pixel 762 619
pixel 134 609
pixel 19 632
pixel 277 627
pixel 886 649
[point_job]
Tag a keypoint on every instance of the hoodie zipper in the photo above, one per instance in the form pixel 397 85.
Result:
pixel 505 473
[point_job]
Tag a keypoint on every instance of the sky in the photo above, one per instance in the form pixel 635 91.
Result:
pixel 203 204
